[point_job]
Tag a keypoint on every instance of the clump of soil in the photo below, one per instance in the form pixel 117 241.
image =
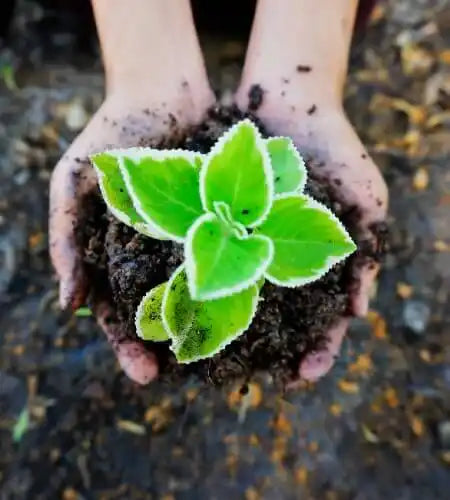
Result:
pixel 289 322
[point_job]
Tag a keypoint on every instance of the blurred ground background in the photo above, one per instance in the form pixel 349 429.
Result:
pixel 73 427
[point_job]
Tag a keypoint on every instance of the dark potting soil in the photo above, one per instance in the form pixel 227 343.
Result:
pixel 289 323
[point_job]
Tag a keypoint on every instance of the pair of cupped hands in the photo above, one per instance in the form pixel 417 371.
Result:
pixel 128 116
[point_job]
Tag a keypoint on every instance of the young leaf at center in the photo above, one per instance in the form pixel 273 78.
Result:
pixel 201 329
pixel 148 320
pixel 238 171
pixel 219 263
pixel 164 187
pixel 308 240
pixel 288 167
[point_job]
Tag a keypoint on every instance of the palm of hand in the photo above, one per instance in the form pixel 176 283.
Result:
pixel 116 124
pixel 339 157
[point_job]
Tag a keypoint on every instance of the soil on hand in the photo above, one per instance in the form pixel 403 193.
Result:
pixel 290 322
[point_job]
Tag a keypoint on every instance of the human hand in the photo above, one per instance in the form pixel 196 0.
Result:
pixel 324 135
pixel 118 123
pixel 156 86
pixel 302 73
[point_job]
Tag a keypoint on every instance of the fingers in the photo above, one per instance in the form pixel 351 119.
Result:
pixel 136 361
pixel 363 279
pixel 317 364
pixel 70 180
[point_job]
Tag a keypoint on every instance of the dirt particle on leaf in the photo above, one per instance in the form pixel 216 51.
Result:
pixel 310 111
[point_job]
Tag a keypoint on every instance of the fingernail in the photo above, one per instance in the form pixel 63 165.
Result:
pixel 139 364
pixel 316 365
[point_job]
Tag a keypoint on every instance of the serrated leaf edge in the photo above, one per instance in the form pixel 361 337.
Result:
pixel 145 227
pixel 331 260
pixel 157 154
pixel 140 311
pixel 176 342
pixel 139 152
pixel 301 185
pixel 267 166
pixel 191 266
pixel 165 323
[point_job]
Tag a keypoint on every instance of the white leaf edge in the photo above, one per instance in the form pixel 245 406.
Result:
pixel 331 260
pixel 267 166
pixel 302 165
pixel 177 341
pixel 157 154
pixel 191 269
pixel 141 227
pixel 140 312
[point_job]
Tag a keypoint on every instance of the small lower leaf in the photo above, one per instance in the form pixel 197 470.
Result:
pixel 308 240
pixel 201 329
pixel 219 263
pixel 149 325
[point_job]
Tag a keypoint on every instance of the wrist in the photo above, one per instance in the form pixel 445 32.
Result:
pixel 185 99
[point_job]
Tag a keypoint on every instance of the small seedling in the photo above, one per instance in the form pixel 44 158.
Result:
pixel 242 216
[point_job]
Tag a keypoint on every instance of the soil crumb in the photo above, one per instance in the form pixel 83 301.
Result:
pixel 255 97
pixel 289 322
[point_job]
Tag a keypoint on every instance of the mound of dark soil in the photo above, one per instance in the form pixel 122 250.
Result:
pixel 289 322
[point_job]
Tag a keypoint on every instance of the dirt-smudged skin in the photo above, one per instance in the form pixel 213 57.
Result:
pixel 289 322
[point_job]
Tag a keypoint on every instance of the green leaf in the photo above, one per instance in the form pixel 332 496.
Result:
pixel 83 312
pixel 148 321
pixel 223 211
pixel 288 167
pixel 308 240
pixel 164 187
pixel 237 171
pixel 115 192
pixel 21 425
pixel 201 329
pixel 219 263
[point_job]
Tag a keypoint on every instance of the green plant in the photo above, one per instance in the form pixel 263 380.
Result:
pixel 242 216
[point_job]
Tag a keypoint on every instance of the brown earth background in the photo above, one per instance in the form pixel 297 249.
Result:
pixel 377 427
